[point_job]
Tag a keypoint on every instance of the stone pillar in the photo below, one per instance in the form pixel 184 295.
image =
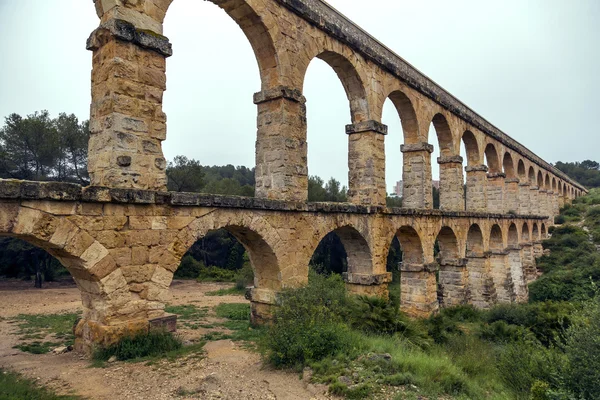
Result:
pixel 561 202
pixel 517 273
pixel 511 196
pixel 452 194
pixel 556 202
pixel 127 124
pixel 416 176
pixel 454 282
pixel 528 261
pixel 263 303
pixel 281 148
pixel 495 192
pixel 501 274
pixel 543 202
pixel 418 289
pixel 366 163
pixel 483 291
pixel 534 205
pixel 368 284
pixel 476 188
pixel 524 199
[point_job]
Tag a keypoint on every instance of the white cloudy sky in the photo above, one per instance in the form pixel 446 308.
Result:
pixel 529 67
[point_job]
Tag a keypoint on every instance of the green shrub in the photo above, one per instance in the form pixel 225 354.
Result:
pixel 144 344
pixel 189 268
pixel 233 311
pixel 449 322
pixel 244 277
pixel 583 353
pixel 13 386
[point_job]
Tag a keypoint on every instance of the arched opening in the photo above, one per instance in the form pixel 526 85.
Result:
pixel 343 250
pixel 492 160
pixel 214 99
pixel 452 277
pixel 447 176
pixel 469 150
pixel 508 166
pixel 481 286
pixel 330 151
pixel 531 175
pixel 535 233
pixel 547 182
pixel 400 131
pixel 543 233
pixel 496 241
pixel 521 170
pixel 540 180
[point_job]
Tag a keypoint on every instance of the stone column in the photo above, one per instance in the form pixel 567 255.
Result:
pixel 543 202
pixel 556 203
pixel 366 163
pixel 281 148
pixel 483 291
pixel 501 274
pixel 528 261
pixel 517 273
pixel 476 188
pixel 524 199
pixel 511 196
pixel 454 282
pixel 534 205
pixel 127 124
pixel 452 194
pixel 418 289
pixel 561 202
pixel 495 192
pixel 263 303
pixel 368 284
pixel 416 176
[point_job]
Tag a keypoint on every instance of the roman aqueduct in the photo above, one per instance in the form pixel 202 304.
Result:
pixel 123 237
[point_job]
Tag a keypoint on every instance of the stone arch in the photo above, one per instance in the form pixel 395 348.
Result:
pixel 508 166
pixel 531 176
pixel 351 81
pixel 543 231
pixel 513 235
pixel 554 185
pixel 444 135
pixel 251 233
pixel 535 232
pixel 493 161
pixel 408 116
pixel 472 148
pixel 496 239
pixel 540 179
pixel 104 290
pixel 474 240
pixel 357 250
pixel 525 233
pixel 245 14
pixel 411 244
pixel 448 243
pixel 547 185
pixel 521 169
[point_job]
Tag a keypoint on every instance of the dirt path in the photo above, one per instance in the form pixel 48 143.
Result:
pixel 227 371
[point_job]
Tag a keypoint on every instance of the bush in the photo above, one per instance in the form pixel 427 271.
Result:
pixel 244 277
pixel 144 344
pixel 583 353
pixel 189 268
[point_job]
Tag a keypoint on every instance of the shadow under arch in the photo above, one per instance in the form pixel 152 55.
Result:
pixel 408 116
pixel 356 250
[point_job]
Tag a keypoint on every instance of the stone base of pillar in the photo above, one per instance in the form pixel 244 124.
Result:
pixel 454 282
pixel 368 285
pixel 91 334
pixel 262 306
pixel 529 268
pixel 483 291
pixel 418 290
pixel 505 292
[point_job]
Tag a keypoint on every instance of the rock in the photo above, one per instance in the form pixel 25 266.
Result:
pixel 112 359
pixel 379 357
pixel 60 350
pixel 345 380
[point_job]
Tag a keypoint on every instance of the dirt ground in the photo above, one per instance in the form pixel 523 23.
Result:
pixel 228 371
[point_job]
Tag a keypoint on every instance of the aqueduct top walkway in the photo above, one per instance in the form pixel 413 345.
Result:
pixel 122 238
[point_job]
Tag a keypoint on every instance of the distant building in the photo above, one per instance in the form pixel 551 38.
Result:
pixel 398 189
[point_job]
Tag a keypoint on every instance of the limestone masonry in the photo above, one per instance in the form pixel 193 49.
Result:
pixel 123 237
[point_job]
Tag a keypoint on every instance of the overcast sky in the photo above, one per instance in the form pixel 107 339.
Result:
pixel 529 67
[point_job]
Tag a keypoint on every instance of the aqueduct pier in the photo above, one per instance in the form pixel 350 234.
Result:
pixel 123 237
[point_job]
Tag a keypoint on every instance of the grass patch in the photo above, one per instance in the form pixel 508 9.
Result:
pixel 34 328
pixel 14 386
pixel 233 311
pixel 232 291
